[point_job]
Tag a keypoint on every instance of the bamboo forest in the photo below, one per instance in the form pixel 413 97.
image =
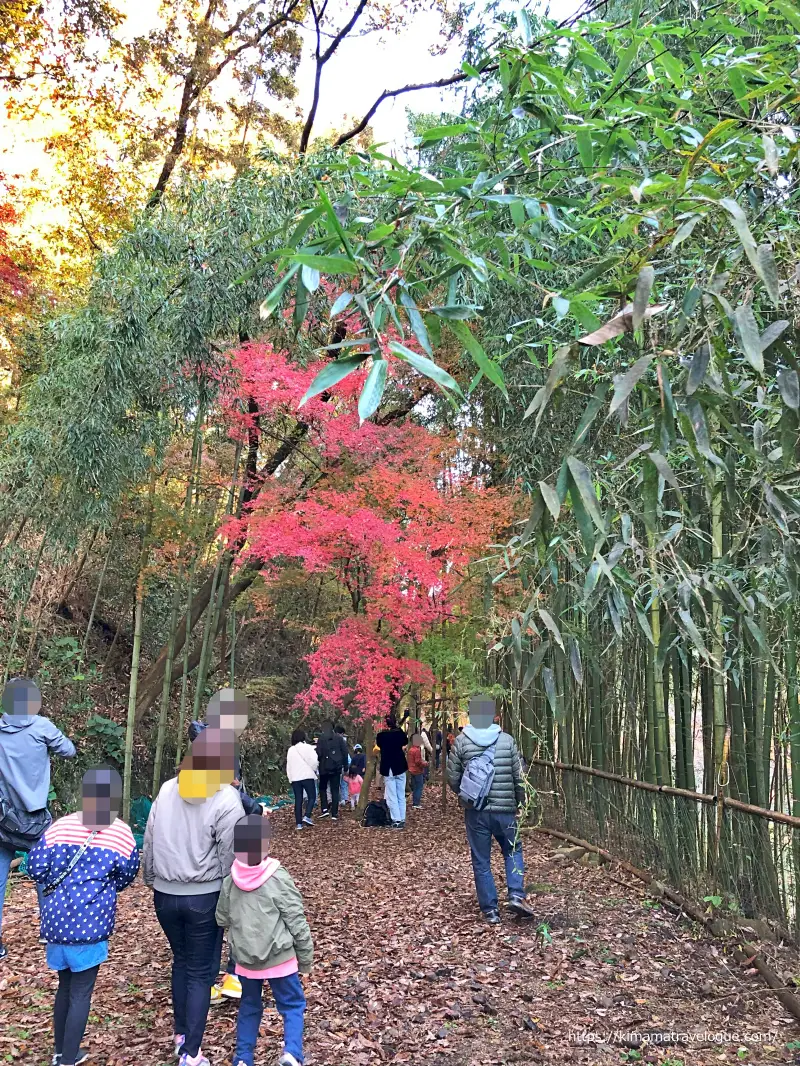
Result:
pixel 384 406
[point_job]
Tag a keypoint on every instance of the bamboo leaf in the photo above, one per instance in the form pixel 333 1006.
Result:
pixel 310 276
pixel 550 497
pixel 275 297
pixel 340 303
pixel 370 398
pixel 488 366
pixel 698 420
pixel 769 272
pixel 560 365
pixel 325 264
pixel 789 386
pixel 739 220
pixel 644 623
pixel 550 689
pixel 697 369
pixel 587 418
pixel 536 661
pixel 575 661
pixel 547 618
pixel 772 332
pixel 425 366
pixel 535 518
pixel 624 384
pixel 417 321
pixel 583 139
pixel 641 298
pixel 693 633
pixel 331 374
pixel 746 329
pixel 770 154
pixel 583 482
pixel 663 467
pixel 685 230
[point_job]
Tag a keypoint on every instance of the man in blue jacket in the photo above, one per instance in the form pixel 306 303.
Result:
pixel 26 741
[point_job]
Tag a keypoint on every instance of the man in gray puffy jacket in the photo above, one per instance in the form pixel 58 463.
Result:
pixel 26 743
pixel 497 819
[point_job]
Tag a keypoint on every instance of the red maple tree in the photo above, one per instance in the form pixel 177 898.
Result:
pixel 389 512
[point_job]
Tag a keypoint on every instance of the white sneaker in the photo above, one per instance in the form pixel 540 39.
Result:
pixel 307 821
pixel 286 1059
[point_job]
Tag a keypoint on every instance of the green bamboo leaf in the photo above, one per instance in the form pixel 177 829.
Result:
pixel 325 264
pixel 772 332
pixel 488 366
pixel 550 689
pixel 455 312
pixel 425 366
pixel 559 368
pixel 769 272
pixel 310 278
pixel 698 420
pixel 698 368
pixel 333 373
pixel 273 300
pixel 644 286
pixel 575 661
pixel 685 230
pixel 532 524
pixel 691 630
pixel 664 469
pixel 550 497
pixel 746 330
pixel 548 620
pixel 370 398
pixel 758 633
pixel 789 387
pixel 644 624
pixel 789 12
pixel 300 303
pixel 536 661
pixel 583 139
pixel 624 384
pixel 583 482
pixel 737 83
pixel 417 321
pixel 594 406
pixel 343 300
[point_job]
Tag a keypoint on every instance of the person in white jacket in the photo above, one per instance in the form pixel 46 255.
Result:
pixel 302 768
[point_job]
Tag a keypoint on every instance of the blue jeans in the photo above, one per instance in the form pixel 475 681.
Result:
pixel 417 785
pixel 291 1003
pixel 395 791
pixel 482 827
pixel 6 858
pixel 190 926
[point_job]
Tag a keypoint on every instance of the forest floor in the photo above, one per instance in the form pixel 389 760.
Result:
pixel 406 971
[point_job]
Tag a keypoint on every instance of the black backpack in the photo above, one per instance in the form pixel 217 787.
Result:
pixel 376 815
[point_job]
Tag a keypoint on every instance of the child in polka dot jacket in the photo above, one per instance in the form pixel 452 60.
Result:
pixel 82 862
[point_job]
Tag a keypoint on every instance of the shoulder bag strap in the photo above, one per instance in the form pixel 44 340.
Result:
pixel 48 890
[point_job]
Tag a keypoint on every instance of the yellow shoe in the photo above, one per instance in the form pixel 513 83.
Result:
pixel 216 996
pixel 231 986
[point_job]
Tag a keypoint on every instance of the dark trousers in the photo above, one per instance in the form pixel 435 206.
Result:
pixel 334 780
pixel 417 784
pixel 71 1011
pixel 301 788
pixel 191 928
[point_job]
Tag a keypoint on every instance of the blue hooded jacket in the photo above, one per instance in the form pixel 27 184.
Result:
pixel 26 741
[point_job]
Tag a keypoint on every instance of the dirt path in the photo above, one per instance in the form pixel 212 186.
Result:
pixel 407 973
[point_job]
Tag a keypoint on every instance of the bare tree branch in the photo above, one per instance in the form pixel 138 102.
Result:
pixel 321 59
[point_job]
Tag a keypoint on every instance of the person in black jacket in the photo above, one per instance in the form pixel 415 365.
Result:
pixel 393 767
pixel 332 753
pixel 359 760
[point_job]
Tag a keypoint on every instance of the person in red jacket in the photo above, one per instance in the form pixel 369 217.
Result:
pixel 417 764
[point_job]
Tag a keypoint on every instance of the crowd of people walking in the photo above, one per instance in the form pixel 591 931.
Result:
pixel 206 857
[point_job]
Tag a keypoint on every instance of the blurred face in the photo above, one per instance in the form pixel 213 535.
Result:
pixel 228 709
pixel 481 711
pixel 21 697
pixel 208 766
pixel 101 797
pixel 251 839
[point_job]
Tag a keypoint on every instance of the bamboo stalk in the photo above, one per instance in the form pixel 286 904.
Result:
pixel 136 653
pixel 23 608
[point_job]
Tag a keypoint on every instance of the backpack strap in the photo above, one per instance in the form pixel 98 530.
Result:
pixel 48 890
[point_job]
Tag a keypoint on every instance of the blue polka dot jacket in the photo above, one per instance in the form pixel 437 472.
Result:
pixel 83 908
